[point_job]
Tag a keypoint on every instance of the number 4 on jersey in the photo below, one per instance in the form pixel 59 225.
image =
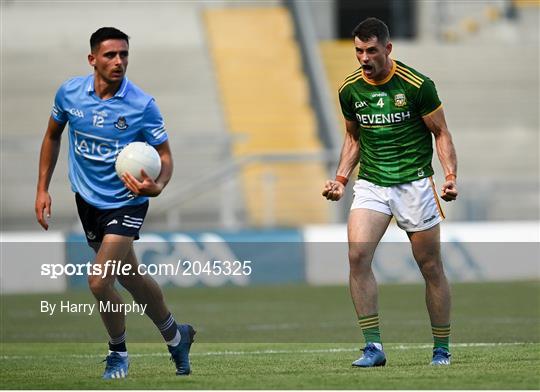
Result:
pixel 380 103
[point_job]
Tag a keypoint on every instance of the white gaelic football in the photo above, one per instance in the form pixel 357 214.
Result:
pixel 136 156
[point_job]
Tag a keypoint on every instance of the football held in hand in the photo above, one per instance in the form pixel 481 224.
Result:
pixel 138 156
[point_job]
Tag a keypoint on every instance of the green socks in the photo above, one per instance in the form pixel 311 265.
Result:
pixel 370 328
pixel 372 334
pixel 441 336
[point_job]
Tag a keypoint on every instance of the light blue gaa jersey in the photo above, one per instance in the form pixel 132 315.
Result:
pixel 98 130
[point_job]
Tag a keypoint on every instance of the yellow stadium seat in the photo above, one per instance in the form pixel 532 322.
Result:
pixel 266 104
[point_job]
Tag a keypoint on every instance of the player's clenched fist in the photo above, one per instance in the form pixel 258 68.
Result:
pixel 333 190
pixel 449 191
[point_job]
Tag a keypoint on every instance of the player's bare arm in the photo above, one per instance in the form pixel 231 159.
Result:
pixel 446 152
pixel 333 189
pixel 50 148
pixel 149 187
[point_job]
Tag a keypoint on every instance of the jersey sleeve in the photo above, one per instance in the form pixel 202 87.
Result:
pixel 58 112
pixel 346 107
pixel 153 125
pixel 428 100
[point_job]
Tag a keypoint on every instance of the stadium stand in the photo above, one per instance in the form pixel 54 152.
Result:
pixel 491 112
pixel 266 105
pixel 171 63
pixel 231 87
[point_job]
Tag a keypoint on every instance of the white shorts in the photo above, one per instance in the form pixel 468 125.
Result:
pixel 415 205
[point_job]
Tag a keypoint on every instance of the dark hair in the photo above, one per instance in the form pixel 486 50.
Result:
pixel 105 33
pixel 372 27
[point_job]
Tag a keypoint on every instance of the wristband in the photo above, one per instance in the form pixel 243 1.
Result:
pixel 343 180
pixel 450 177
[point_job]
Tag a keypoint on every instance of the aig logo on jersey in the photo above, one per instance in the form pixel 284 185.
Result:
pixel 94 147
pixel 400 100
pixel 121 123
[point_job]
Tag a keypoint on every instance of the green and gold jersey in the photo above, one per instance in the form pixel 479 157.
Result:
pixel 395 144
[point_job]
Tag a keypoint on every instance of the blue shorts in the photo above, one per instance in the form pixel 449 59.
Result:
pixel 125 221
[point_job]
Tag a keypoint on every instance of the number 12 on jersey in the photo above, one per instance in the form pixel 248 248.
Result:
pixel 98 121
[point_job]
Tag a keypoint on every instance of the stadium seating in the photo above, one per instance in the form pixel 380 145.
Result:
pixel 266 105
pixel 491 113
pixel 171 63
pixel 230 85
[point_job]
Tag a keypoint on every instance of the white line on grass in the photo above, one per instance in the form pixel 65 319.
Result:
pixel 391 346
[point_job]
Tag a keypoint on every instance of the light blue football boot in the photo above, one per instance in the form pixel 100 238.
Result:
pixel 441 357
pixel 372 357
pixel 116 366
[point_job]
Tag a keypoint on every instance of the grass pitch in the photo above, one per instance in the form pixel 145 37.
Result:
pixel 295 337
pixel 273 366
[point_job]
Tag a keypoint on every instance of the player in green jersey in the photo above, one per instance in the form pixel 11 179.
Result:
pixel 391 111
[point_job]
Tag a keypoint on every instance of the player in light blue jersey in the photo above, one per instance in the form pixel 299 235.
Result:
pixel 98 130
pixel 105 112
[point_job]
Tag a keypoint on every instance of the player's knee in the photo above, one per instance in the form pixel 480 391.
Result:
pixel 98 285
pixel 359 254
pixel 359 260
pixel 432 269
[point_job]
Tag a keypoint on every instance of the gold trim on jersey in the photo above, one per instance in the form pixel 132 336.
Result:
pixel 411 75
pixel 406 78
pixel 356 73
pixel 351 76
pixel 385 80
pixel 359 76
pixel 433 111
